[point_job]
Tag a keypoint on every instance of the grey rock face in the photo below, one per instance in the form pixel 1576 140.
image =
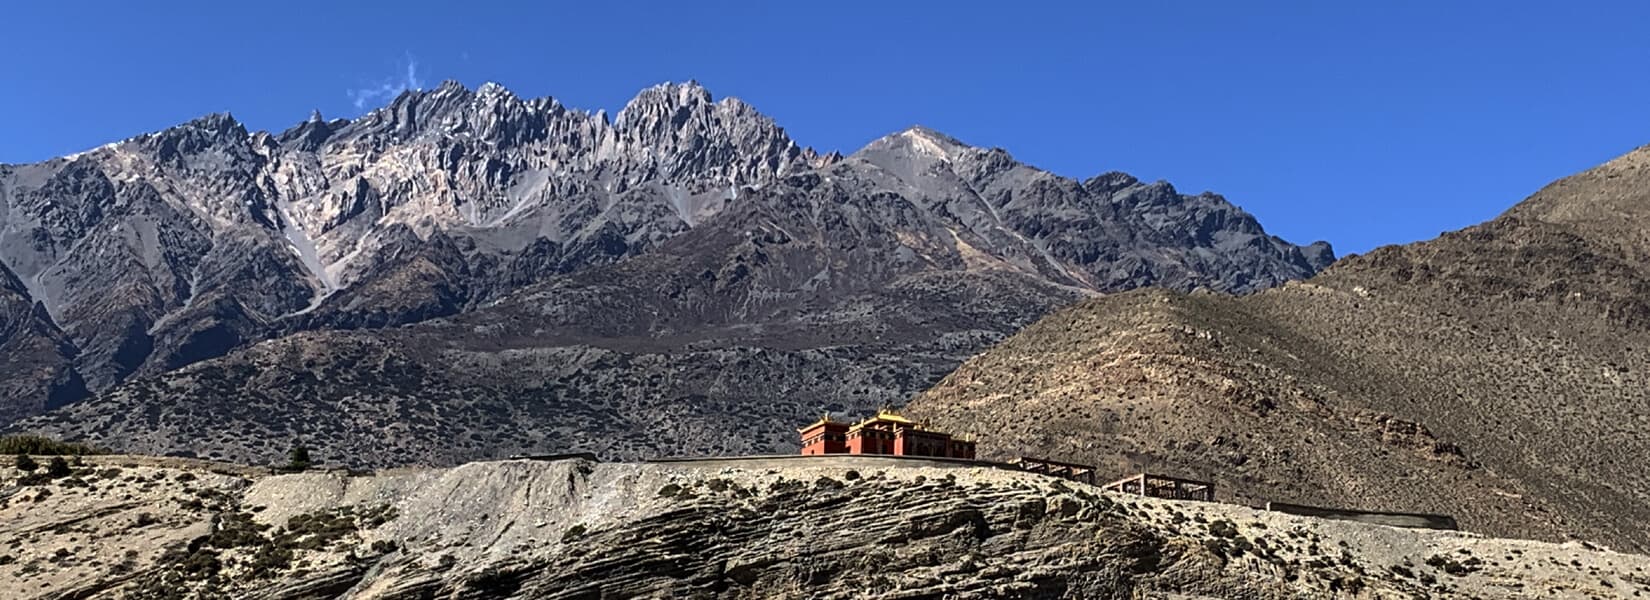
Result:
pixel 685 219
pixel 1110 233
pixel 36 357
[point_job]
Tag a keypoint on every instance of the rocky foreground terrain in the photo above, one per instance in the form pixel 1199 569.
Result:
pixel 1497 373
pixel 838 527
pixel 466 273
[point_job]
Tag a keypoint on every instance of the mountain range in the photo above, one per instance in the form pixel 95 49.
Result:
pixel 466 273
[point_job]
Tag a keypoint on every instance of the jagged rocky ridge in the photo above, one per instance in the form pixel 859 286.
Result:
pixel 561 268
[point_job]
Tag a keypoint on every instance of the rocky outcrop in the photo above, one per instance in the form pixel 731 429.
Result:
pixel 805 527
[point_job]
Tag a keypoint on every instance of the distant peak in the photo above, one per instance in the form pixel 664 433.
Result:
pixel 1110 181
pixel 216 129
pixel 930 134
pixel 932 142
pixel 218 124
pixel 315 116
pixel 691 84
pixel 664 100
pixel 687 92
pixel 920 140
pixel 213 120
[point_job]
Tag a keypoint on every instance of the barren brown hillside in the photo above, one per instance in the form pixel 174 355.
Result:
pixel 1497 373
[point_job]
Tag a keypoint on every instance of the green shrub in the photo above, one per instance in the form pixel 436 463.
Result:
pixel 298 459
pixel 26 464
pixel 39 444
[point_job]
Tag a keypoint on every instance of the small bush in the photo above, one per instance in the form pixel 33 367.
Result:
pixel 313 531
pixel 57 467
pixel 237 530
pixel 1222 528
pixel 1454 567
pixel 670 490
pixel 26 464
pixel 201 564
pixel 270 559
pixel 1218 547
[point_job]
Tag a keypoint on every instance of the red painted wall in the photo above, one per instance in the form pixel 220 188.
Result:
pixel 836 438
pixel 825 438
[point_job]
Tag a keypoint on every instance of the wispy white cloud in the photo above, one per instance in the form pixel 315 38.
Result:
pixel 388 88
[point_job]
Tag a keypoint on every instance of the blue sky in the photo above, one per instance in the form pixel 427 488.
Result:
pixel 1364 123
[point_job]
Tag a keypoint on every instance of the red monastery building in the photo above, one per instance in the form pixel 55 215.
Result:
pixel 885 433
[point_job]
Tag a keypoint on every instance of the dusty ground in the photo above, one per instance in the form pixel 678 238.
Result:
pixel 837 527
